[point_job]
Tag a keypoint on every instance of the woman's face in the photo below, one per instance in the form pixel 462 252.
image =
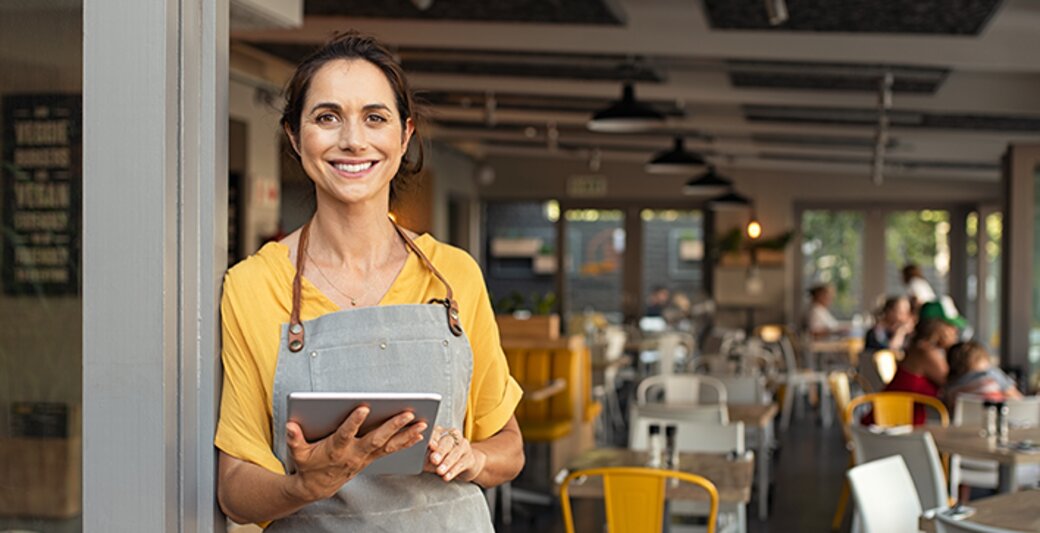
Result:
pixel 947 336
pixel 899 313
pixel 351 137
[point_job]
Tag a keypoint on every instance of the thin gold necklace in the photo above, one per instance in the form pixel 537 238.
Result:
pixel 353 300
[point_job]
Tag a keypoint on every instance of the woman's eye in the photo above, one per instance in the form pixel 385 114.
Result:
pixel 325 118
pixel 377 118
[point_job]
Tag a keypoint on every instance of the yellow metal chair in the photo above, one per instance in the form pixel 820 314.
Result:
pixel 890 409
pixel 895 408
pixel 634 497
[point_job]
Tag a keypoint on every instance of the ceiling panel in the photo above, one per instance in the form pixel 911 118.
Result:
pixel 540 11
pixel 937 17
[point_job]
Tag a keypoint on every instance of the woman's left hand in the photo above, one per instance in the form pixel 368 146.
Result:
pixel 451 456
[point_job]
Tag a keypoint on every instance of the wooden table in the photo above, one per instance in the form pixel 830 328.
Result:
pixel 968 441
pixel 760 419
pixel 847 347
pixel 1019 511
pixel 732 478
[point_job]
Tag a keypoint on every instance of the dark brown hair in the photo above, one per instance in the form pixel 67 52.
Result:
pixel 355 45
pixel 962 356
pixel 929 329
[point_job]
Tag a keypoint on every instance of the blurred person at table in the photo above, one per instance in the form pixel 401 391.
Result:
pixel 819 322
pixel 918 290
pixel 972 372
pixel 894 325
pixel 657 301
pixel 677 312
pixel 924 369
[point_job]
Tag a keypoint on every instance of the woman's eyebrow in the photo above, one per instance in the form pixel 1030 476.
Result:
pixel 326 105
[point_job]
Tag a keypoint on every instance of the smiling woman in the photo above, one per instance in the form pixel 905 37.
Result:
pixel 386 312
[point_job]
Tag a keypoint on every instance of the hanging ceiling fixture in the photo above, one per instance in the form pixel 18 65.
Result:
pixel 707 183
pixel 626 115
pixel 678 160
pixel 776 12
pixel 731 201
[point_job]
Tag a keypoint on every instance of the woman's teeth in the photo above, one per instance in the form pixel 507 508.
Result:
pixel 354 168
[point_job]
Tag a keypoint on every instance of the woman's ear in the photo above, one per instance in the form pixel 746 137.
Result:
pixel 292 139
pixel 409 129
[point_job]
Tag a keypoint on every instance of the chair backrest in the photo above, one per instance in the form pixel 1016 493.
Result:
pixel 615 337
pixel 917 450
pixel 839 383
pixel 748 390
pixel 542 366
pixel 634 497
pixel 1023 412
pixel 948 524
pixel 713 413
pixel 885 362
pixel 679 388
pixel 885 496
pixel 705 437
pixel 895 408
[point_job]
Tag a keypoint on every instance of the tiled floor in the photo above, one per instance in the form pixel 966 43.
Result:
pixel 808 471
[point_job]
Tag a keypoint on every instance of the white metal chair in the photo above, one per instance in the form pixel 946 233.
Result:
pixel 680 388
pixel 917 450
pixel 744 390
pixel 885 496
pixel 715 413
pixel 948 524
pixel 968 411
pixel 702 437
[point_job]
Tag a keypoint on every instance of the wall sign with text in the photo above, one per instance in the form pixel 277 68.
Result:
pixel 42 179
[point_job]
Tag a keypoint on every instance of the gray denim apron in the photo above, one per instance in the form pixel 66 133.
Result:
pixel 396 348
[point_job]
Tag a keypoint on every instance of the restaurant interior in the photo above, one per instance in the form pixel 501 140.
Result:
pixel 713 233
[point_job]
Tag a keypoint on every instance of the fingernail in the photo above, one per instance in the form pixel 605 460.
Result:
pixel 441 469
pixel 408 417
pixel 421 426
pixel 363 411
pixel 449 476
pixel 436 457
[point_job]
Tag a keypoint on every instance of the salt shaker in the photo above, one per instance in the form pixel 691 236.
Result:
pixel 1002 423
pixel 656 444
pixel 990 418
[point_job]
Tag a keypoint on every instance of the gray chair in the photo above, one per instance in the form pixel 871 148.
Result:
pixel 918 452
pixel 886 500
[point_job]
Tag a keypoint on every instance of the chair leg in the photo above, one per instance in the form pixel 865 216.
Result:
pixel 839 513
pixel 507 503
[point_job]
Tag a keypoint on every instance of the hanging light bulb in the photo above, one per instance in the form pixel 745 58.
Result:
pixel 754 228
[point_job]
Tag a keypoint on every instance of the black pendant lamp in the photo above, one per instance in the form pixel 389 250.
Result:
pixel 708 183
pixel 626 115
pixel 731 201
pixel 678 160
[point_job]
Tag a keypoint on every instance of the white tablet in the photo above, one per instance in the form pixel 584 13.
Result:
pixel 319 414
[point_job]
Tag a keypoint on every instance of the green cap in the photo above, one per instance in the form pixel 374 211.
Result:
pixel 937 310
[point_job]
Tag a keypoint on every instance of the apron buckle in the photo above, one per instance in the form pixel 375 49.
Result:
pixel 452 309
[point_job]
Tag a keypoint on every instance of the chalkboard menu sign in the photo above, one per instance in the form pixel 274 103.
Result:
pixel 42 177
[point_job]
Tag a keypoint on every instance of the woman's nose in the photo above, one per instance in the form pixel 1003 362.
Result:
pixel 352 137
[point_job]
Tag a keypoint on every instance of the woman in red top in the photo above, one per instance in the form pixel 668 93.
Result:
pixel 924 368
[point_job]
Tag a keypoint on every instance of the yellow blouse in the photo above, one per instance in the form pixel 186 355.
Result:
pixel 258 299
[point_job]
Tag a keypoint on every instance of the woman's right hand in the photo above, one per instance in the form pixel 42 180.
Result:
pixel 323 467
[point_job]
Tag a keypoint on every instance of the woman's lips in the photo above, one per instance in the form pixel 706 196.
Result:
pixel 353 169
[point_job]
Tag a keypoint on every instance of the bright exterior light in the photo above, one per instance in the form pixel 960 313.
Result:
pixel 754 229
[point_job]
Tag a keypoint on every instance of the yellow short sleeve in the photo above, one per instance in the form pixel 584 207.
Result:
pixel 244 428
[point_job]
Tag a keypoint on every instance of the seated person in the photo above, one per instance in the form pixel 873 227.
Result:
pixel 972 372
pixel 894 325
pixel 924 368
pixel 657 300
pixel 819 322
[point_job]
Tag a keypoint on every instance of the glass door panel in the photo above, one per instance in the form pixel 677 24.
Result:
pixel 673 261
pixel 41 298
pixel 832 253
pixel 919 237
pixel 594 262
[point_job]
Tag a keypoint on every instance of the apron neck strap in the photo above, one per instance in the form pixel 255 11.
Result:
pixel 296 333
pixel 448 302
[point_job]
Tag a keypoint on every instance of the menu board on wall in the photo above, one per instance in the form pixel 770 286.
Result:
pixel 42 177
